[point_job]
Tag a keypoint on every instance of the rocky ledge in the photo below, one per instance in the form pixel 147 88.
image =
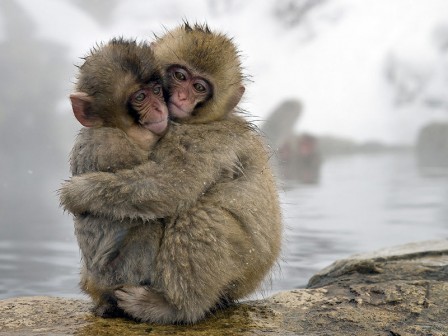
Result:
pixel 393 292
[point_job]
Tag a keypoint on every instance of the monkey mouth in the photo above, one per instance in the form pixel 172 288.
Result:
pixel 157 127
pixel 176 111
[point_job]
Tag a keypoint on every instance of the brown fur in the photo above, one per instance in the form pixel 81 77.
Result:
pixel 110 74
pixel 111 257
pixel 212 184
pixel 214 56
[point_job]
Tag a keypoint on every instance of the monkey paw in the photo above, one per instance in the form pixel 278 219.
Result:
pixel 144 304
pixel 72 194
pixel 107 310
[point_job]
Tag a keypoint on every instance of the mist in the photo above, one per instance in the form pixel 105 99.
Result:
pixel 362 70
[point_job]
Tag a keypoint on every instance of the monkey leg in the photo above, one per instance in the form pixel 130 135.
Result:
pixel 197 263
pixel 104 300
pixel 115 253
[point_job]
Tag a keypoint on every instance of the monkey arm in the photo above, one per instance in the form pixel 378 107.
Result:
pixel 147 191
pixel 189 159
pixel 219 249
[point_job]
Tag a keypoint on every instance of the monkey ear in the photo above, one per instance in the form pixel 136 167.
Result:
pixel 235 99
pixel 82 109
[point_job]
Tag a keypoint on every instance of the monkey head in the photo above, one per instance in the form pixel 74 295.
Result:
pixel 120 85
pixel 202 71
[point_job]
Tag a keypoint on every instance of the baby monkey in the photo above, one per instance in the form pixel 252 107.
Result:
pixel 120 86
pixel 208 178
pixel 120 101
pixel 203 72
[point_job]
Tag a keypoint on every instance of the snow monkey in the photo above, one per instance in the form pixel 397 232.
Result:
pixel 119 100
pixel 208 178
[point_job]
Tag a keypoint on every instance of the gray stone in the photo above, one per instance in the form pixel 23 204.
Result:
pixel 397 291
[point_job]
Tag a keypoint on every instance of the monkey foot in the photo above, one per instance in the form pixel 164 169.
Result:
pixel 108 310
pixel 144 304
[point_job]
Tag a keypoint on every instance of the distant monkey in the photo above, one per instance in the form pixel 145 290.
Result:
pixel 209 178
pixel 120 100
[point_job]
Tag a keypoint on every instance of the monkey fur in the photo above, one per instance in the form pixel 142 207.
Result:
pixel 107 78
pixel 214 56
pixel 210 181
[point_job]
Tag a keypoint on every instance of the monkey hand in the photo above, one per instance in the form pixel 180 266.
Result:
pixel 120 195
pixel 95 193
pixel 72 193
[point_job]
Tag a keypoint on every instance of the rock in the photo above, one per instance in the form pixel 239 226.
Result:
pixel 399 291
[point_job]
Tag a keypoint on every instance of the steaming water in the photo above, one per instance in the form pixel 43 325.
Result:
pixel 362 203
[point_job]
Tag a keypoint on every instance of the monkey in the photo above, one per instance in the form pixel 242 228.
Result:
pixel 119 99
pixel 208 177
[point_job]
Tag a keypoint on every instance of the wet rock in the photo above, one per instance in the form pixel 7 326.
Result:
pixel 399 291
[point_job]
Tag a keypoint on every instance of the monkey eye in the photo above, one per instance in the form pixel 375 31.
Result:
pixel 201 87
pixel 179 75
pixel 157 90
pixel 139 96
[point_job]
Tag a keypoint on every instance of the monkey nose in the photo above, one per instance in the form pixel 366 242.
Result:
pixel 182 96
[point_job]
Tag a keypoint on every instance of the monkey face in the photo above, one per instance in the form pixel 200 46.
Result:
pixel 188 89
pixel 203 54
pixel 119 86
pixel 150 108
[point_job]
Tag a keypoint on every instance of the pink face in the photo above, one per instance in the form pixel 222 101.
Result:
pixel 151 108
pixel 187 90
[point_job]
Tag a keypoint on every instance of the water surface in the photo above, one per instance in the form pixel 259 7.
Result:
pixel 363 203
